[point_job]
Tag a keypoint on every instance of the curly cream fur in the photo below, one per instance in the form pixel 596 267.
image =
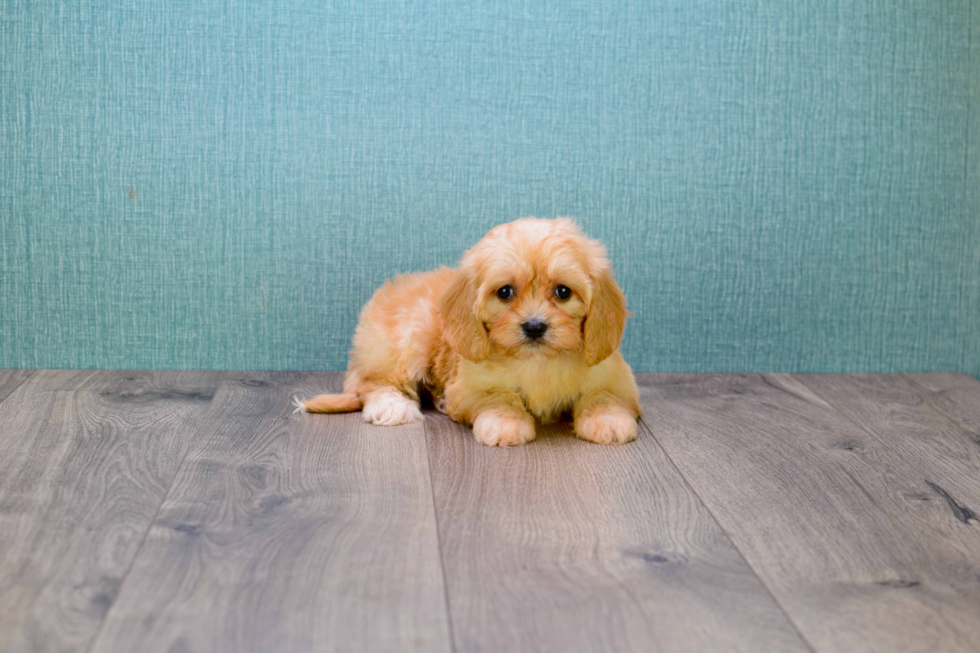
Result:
pixel 447 332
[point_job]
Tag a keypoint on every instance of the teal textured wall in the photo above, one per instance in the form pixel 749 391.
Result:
pixel 782 185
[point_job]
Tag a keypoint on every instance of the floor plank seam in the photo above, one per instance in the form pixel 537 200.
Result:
pixel 29 374
pixel 833 407
pixel 755 572
pixel 912 378
pixel 435 513
pixel 839 412
pixel 962 513
pixel 139 549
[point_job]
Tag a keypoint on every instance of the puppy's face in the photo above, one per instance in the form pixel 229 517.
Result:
pixel 534 288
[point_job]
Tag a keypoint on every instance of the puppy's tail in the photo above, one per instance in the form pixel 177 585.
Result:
pixel 342 403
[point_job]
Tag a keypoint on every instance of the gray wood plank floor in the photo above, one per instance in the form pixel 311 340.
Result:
pixel 571 546
pixel 85 460
pixel 194 511
pixel 10 379
pixel 284 532
pixel 823 483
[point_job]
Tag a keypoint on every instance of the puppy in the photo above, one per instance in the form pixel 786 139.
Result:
pixel 527 328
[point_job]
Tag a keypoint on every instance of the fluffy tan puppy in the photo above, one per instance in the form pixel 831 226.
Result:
pixel 526 328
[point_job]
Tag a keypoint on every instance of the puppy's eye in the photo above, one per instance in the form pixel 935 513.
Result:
pixel 505 293
pixel 563 292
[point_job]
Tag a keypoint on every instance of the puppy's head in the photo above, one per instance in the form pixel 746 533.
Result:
pixel 534 288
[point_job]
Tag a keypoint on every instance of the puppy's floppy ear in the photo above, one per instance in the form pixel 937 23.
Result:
pixel 461 327
pixel 602 328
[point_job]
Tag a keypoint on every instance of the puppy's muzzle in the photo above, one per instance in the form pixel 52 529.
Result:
pixel 534 329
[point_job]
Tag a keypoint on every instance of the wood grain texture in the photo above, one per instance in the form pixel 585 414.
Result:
pixel 564 545
pixel 932 421
pixel 87 458
pixel 289 532
pixel 836 518
pixel 10 380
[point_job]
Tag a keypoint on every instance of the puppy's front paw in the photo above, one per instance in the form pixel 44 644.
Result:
pixel 390 408
pixel 608 425
pixel 502 428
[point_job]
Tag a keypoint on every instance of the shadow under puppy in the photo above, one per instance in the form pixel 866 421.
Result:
pixel 528 326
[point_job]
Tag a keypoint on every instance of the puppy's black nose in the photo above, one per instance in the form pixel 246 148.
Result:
pixel 534 329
